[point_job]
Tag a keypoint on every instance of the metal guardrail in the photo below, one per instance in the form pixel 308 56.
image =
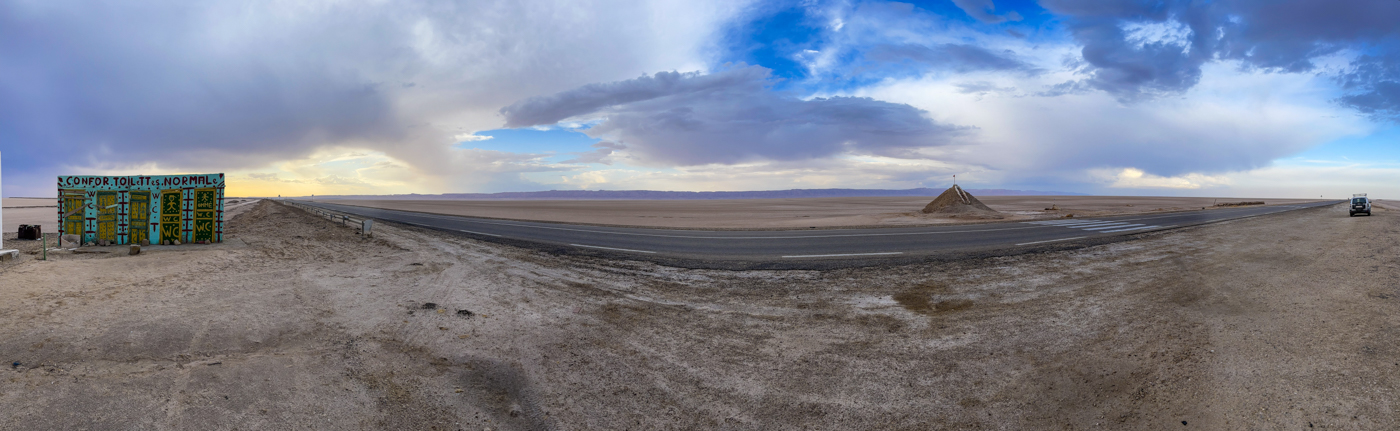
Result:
pixel 366 224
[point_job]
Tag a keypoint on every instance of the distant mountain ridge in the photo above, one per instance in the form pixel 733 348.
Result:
pixel 669 195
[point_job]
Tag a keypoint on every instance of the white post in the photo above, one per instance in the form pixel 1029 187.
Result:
pixel 2 213
pixel 5 254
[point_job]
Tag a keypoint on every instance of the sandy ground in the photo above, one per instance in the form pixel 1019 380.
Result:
pixel 1280 321
pixel 792 213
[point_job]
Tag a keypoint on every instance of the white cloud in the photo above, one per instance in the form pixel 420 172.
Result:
pixel 1169 32
pixel 1234 120
pixel 471 137
pixel 1131 178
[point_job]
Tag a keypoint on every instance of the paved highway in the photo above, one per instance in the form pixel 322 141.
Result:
pixel 827 247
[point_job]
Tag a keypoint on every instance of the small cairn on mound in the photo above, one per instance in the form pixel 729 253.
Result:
pixel 956 202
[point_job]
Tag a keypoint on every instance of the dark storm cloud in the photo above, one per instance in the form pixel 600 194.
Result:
pixel 732 117
pixel 593 97
pixel 1287 34
pixel 1382 101
pixel 1121 66
pixel 104 86
pixel 1272 35
pixel 599 155
pixel 1374 85
pixel 955 57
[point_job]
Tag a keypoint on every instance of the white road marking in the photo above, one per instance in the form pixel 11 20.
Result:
pixel 1114 226
pixel 844 255
pixel 1227 209
pixel 611 248
pixel 478 233
pixel 1091 225
pixel 1052 240
pixel 1077 224
pixel 1137 228
pixel 1064 222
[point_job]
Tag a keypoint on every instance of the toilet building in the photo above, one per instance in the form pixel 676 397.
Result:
pixel 135 209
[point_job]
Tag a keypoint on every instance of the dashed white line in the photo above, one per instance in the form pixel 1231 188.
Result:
pixel 1114 226
pixel 611 248
pixel 844 255
pixel 1094 225
pixel 1138 228
pixel 1076 224
pixel 475 232
pixel 1064 222
pixel 1052 240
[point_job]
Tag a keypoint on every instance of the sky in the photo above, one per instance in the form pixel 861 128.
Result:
pixel 1230 98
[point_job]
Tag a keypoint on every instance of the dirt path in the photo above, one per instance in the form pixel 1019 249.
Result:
pixel 1282 321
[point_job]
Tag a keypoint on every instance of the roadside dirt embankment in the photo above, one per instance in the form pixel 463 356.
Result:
pixel 1271 322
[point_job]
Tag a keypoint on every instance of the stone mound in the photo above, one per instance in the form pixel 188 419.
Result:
pixel 956 202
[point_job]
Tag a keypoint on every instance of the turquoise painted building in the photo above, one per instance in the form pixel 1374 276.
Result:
pixel 139 209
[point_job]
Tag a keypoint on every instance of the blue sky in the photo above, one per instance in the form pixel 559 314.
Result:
pixel 1381 146
pixel 558 142
pixel 1222 98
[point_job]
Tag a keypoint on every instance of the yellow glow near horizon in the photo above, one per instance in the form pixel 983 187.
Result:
pixel 328 172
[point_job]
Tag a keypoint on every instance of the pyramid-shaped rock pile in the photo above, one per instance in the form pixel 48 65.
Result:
pixel 958 202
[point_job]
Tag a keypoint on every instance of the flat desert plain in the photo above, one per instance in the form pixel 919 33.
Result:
pixel 1282 321
pixel 790 213
pixel 20 211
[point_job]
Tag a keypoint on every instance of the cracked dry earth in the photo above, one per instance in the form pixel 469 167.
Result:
pixel 1281 321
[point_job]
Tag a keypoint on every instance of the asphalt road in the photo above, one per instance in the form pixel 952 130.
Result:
pixel 794 248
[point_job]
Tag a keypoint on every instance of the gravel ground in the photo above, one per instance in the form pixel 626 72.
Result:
pixel 1281 321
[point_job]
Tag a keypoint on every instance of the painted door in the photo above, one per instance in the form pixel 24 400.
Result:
pixel 140 216
pixel 73 203
pixel 170 205
pixel 107 216
pixel 205 203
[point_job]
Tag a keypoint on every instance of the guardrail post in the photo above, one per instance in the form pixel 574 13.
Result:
pixel 366 225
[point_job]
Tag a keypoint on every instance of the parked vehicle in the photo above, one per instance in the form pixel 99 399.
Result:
pixel 1360 204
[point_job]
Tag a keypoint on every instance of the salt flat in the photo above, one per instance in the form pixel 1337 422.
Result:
pixel 20 211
